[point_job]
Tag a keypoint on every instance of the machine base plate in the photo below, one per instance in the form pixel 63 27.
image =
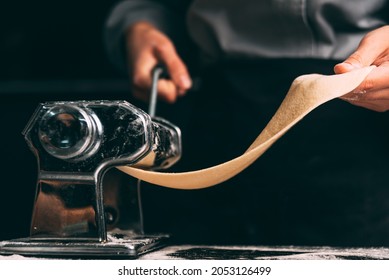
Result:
pixel 118 246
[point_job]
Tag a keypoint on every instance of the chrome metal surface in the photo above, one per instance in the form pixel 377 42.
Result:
pixel 80 199
pixel 154 91
pixel 70 132
pixel 117 246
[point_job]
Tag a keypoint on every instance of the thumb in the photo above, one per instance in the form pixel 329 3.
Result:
pixel 354 61
pixel 365 55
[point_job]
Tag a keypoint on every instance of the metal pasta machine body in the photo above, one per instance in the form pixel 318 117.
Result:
pixel 83 206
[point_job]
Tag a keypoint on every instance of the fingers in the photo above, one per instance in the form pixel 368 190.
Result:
pixel 375 86
pixel 381 106
pixel 148 47
pixel 369 52
pixel 373 92
pixel 176 68
pixel 142 68
pixel 167 92
pixel 374 100
pixel 377 80
pixel 354 61
pixel 373 96
pixel 362 57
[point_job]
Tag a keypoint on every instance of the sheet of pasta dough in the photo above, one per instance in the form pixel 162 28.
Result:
pixel 306 93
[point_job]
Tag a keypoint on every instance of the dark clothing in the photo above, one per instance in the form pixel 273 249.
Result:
pixel 247 29
pixel 326 181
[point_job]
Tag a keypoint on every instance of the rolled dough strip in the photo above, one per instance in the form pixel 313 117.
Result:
pixel 306 93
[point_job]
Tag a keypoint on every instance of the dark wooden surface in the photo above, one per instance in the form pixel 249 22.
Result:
pixel 188 252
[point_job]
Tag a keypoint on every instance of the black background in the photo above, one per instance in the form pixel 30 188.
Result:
pixel 54 40
pixel 49 50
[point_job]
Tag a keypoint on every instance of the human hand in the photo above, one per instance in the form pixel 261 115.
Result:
pixel 147 47
pixel 373 93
